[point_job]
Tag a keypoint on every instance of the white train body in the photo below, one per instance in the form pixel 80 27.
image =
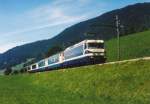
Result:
pixel 83 53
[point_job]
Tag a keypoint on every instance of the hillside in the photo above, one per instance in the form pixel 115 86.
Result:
pixel 132 46
pixel 135 18
pixel 125 83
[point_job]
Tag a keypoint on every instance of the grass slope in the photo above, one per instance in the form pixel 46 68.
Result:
pixel 132 46
pixel 126 83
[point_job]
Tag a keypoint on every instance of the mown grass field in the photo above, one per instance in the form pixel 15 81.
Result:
pixel 131 46
pixel 125 83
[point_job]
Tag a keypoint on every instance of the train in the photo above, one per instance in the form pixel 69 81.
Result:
pixel 83 53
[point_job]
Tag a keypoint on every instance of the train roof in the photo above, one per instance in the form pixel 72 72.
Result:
pixel 97 41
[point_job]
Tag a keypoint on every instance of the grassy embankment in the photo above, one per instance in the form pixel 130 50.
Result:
pixel 126 83
pixel 131 46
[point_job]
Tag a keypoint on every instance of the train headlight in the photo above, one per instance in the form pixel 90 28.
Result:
pixel 91 57
pixel 98 54
pixel 102 54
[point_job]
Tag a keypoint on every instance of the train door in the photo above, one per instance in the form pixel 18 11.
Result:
pixel 61 57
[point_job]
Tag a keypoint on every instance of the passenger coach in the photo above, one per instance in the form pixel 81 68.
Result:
pixel 84 53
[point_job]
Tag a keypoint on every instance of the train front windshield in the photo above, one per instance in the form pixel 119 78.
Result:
pixel 95 45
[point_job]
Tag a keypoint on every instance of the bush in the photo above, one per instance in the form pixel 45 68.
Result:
pixel 15 72
pixel 8 71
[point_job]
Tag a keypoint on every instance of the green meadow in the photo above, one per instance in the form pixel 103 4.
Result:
pixel 131 46
pixel 125 83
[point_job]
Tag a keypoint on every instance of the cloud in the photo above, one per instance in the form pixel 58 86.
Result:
pixel 5 47
pixel 59 13
pixel 53 24
pixel 50 15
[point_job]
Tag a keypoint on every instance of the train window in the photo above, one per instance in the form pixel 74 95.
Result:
pixel 74 52
pixel 53 59
pixel 95 45
pixel 41 64
pixel 33 66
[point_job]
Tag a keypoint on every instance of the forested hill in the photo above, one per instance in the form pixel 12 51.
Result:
pixel 135 18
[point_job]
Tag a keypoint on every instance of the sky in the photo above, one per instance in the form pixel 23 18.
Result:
pixel 25 21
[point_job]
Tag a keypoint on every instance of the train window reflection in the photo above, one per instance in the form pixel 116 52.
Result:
pixel 53 59
pixel 74 52
pixel 41 64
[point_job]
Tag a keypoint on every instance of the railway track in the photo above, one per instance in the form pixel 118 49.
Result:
pixel 130 60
